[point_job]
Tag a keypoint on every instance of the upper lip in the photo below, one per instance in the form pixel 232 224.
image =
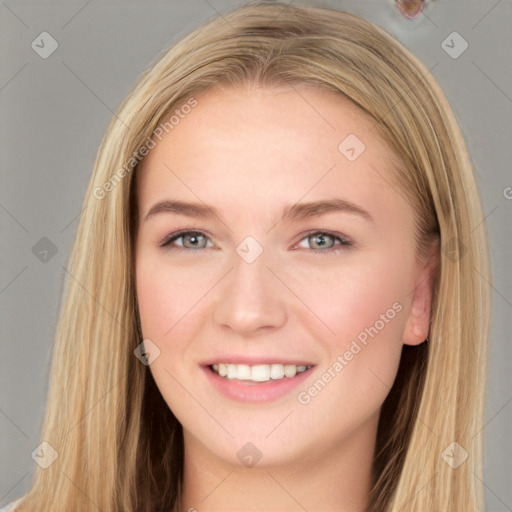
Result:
pixel 254 360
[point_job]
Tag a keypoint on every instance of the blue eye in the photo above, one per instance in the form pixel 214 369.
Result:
pixel 194 236
pixel 324 240
pixel 319 238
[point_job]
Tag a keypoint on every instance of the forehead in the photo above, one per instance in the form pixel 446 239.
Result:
pixel 255 145
pixel 229 115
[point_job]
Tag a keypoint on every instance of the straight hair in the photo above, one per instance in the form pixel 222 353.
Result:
pixel 120 447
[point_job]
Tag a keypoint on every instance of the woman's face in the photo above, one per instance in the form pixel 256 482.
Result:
pixel 333 285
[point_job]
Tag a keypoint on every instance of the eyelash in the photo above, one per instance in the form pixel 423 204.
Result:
pixel 335 249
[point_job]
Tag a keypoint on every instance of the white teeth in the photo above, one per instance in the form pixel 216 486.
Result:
pixel 259 372
pixel 290 370
pixel 276 371
pixel 231 371
pixel 243 371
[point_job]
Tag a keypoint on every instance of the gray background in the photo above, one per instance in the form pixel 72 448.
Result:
pixel 54 114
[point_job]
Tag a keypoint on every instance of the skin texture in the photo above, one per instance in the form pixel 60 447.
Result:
pixel 249 151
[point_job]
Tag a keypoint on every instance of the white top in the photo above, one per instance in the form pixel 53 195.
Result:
pixel 9 507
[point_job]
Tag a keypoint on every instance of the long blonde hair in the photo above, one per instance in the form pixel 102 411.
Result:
pixel 119 446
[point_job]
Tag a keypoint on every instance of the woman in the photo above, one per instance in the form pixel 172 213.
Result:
pixel 212 352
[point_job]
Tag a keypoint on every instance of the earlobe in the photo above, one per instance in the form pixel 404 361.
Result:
pixel 418 323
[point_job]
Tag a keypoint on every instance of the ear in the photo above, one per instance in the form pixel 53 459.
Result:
pixel 418 322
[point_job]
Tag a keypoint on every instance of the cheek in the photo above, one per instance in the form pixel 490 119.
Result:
pixel 171 314
pixel 348 299
pixel 363 314
pixel 166 297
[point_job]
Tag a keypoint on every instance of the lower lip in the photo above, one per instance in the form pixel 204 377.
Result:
pixel 254 392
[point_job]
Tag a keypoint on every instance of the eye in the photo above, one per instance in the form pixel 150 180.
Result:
pixel 325 242
pixel 320 241
pixel 197 240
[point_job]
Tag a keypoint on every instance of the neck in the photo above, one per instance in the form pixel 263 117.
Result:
pixel 334 479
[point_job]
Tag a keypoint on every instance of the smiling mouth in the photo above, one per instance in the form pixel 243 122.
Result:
pixel 258 372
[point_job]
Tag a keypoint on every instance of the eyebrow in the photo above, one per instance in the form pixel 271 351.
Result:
pixel 297 211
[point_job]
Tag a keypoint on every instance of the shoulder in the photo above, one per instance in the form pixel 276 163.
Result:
pixel 9 507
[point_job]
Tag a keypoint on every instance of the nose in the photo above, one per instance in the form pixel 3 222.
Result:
pixel 251 299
